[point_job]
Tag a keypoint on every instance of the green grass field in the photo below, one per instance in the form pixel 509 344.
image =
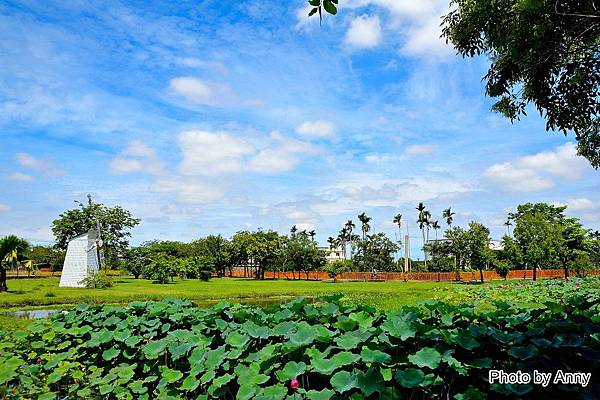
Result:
pixel 41 292
pixel 45 293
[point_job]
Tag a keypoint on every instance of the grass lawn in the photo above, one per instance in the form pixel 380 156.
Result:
pixel 25 293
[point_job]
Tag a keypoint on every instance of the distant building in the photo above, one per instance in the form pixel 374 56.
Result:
pixel 333 253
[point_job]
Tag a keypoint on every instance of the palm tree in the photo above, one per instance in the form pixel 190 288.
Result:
pixel 342 239
pixel 294 230
pixel 398 221
pixel 11 248
pixel 435 225
pixel 349 227
pixel 312 235
pixel 422 221
pixel 364 220
pixel 508 224
pixel 449 215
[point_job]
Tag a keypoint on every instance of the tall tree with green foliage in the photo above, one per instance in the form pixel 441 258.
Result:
pixel 12 249
pixel 479 253
pixel 376 252
pixel 114 222
pixel 539 234
pixel 542 52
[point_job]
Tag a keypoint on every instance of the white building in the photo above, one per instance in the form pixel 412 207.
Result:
pixel 333 253
pixel 81 260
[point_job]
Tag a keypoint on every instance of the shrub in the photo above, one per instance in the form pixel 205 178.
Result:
pixel 337 267
pixel 161 268
pixel 204 275
pixel 98 280
pixel 501 267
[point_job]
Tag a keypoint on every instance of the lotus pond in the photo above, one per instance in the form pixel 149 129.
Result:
pixel 330 349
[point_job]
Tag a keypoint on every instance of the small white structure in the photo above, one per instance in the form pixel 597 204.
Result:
pixel 81 260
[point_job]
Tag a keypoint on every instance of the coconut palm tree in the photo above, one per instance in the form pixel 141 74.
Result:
pixel 449 215
pixel 364 220
pixel 11 248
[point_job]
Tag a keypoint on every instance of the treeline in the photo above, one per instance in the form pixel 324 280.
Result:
pixel 258 251
pixel 542 237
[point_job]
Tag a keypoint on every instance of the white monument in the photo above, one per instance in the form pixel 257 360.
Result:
pixel 83 258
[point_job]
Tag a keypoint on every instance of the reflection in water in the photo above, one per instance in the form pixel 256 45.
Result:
pixel 32 314
pixel 263 302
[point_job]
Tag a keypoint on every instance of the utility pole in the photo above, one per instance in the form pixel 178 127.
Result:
pixel 99 252
pixel 406 254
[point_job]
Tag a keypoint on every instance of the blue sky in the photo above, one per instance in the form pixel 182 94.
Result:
pixel 215 116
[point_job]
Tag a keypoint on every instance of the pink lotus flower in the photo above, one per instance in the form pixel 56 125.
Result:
pixel 294 384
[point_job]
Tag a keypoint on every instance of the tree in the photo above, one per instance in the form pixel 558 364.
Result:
pixel 511 252
pixel 573 243
pixel 542 52
pixel 12 249
pixel 423 221
pixel 337 267
pixel 449 216
pixel 539 234
pixel 594 247
pixel 162 267
pixel 349 229
pixel 365 227
pixel 435 226
pixel 46 255
pixel 479 252
pixel 302 254
pixel 508 224
pixel 375 252
pixel 459 247
pixel 114 225
pixel 135 260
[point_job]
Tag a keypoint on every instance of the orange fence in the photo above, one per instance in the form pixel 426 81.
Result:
pixel 400 276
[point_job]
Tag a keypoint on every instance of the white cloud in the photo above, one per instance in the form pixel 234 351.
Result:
pixel 20 177
pixel 510 176
pixel 125 165
pixel 188 192
pixel 421 149
pixel 216 153
pixel 364 32
pixel 198 91
pixel 416 23
pixel 581 203
pixel 320 128
pixel 539 171
pixel 273 161
pixel 212 153
pixel 136 157
pixel 4 207
pixel 42 166
pixel 137 148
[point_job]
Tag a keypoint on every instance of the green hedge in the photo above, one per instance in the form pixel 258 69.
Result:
pixel 173 350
